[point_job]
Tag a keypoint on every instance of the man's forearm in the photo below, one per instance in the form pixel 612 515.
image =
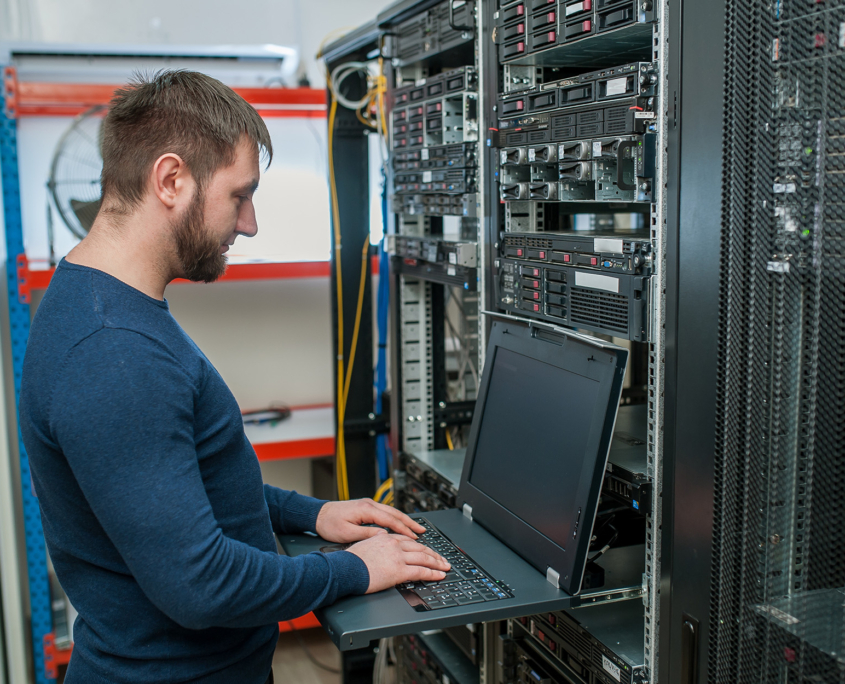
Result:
pixel 290 512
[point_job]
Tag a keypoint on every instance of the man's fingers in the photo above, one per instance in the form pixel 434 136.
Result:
pixel 403 519
pixel 422 574
pixel 369 532
pixel 415 547
pixel 382 516
pixel 424 560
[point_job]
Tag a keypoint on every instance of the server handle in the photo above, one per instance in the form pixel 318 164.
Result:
pixel 620 156
pixel 452 17
pixel 689 650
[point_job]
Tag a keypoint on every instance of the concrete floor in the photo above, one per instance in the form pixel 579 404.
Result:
pixel 290 664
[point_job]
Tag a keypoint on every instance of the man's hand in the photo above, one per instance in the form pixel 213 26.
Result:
pixel 340 521
pixel 392 559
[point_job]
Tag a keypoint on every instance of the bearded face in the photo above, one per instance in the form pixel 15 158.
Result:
pixel 197 248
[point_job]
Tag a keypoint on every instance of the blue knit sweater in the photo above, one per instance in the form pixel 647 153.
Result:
pixel 154 512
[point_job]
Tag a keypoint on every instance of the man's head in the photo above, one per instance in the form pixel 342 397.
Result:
pixel 189 145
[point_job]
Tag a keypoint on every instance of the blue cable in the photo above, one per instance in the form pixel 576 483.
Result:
pixel 383 455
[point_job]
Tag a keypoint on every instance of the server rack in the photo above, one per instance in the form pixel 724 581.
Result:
pixel 741 368
pixel 422 410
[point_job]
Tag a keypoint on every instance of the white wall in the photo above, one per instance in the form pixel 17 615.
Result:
pixel 270 340
pixel 292 202
pixel 297 23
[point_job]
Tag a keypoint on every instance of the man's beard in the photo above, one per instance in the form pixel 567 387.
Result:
pixel 198 252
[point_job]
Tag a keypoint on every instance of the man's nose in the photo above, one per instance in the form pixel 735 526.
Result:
pixel 247 223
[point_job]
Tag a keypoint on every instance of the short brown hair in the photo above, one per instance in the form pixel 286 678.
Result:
pixel 182 112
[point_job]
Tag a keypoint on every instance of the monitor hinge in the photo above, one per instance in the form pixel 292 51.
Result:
pixel 468 511
pixel 553 577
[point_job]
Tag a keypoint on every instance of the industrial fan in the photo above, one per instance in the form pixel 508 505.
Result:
pixel 74 182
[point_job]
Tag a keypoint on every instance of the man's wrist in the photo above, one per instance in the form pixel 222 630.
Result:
pixel 317 520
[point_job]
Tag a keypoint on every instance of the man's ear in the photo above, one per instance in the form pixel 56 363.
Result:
pixel 170 179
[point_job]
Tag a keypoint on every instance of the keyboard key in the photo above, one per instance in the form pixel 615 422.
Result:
pixel 466 600
pixel 465 583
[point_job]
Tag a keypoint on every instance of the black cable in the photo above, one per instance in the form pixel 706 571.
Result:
pixel 307 651
pixel 607 546
pixel 273 415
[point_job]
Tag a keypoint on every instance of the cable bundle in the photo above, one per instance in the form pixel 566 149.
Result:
pixel 373 100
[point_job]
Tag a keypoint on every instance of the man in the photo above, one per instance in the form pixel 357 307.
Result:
pixel 154 511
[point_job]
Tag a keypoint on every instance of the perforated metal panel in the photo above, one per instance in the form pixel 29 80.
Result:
pixel 778 591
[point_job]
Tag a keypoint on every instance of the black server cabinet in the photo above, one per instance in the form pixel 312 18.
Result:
pixel 695 119
pixel 753 559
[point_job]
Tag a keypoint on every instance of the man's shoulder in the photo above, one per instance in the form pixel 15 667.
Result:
pixel 95 320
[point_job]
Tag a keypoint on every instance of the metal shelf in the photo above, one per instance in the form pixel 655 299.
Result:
pixel 308 433
pixel 39 280
pixel 72 99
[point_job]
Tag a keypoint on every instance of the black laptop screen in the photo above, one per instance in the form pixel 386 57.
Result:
pixel 532 440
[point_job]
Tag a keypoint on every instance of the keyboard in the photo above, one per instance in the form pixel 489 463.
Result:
pixel 464 584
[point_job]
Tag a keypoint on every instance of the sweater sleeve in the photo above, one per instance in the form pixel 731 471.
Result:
pixel 136 464
pixel 290 512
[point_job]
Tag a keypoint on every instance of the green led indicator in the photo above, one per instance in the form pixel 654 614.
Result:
pixel 808 150
pixel 807 232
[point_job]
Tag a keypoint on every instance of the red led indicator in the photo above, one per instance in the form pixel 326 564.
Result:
pixel 520 10
pixel 551 36
pixel 536 283
pixel 594 261
pixel 588 4
pixel 520 48
pixel 542 255
pixel 566 258
pixel 519 252
pixel 536 307
pixel 551 17
pixel 520 28
pixel 588 25
pixel 520 104
pixel 536 295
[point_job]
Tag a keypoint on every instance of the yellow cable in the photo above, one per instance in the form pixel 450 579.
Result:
pixel 385 487
pixel 344 374
pixel 344 378
pixel 342 483
pixel 449 441
pixel 381 90
pixel 361 286
pixel 361 118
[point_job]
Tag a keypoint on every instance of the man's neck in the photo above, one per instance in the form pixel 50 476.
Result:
pixel 127 252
